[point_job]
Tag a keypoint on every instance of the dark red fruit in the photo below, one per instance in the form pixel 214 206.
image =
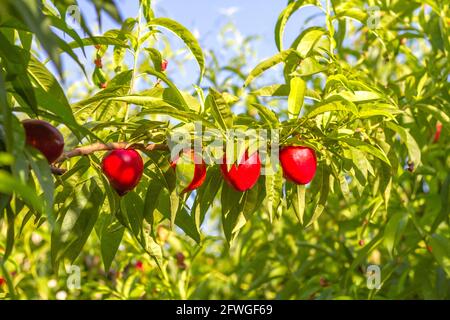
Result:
pixel 437 134
pixel 123 168
pixel 180 260
pixel 199 171
pixel 98 63
pixel 44 137
pixel 164 64
pixel 299 164
pixel 245 175
pixel 2 281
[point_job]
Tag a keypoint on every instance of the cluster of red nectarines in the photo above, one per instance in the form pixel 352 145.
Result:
pixel 124 167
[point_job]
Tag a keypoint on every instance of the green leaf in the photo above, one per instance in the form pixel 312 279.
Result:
pixel 41 169
pixel 185 35
pixel 439 114
pixel 332 106
pixel 76 224
pixel 168 198
pixel 110 239
pixel 206 195
pixel 43 78
pixel 186 223
pixel 445 199
pixel 10 185
pixel 274 189
pixel 356 96
pixel 408 140
pixel 10 234
pixel 394 230
pixel 31 13
pixel 185 168
pixel 308 39
pixel 299 202
pixel 220 109
pixel 368 148
pixel 440 248
pixel 309 66
pixel 296 97
pixel 324 190
pixel 282 90
pixel 267 64
pixel 15 61
pixel 267 115
pixel 155 251
pixel 238 207
pixel 283 19
pixel 99 40
pixel 133 208
pixel 151 198
pixel 156 57
pixel 163 77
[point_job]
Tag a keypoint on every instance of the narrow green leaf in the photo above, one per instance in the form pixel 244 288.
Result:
pixel 394 230
pixel 299 202
pixel 41 169
pixel 185 35
pixel 267 115
pixel 283 19
pixel 440 249
pixel 267 64
pixel 296 97
pixel 220 109
pixel 411 144
pixel 111 237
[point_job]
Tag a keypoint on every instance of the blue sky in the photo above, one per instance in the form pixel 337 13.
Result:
pixel 204 18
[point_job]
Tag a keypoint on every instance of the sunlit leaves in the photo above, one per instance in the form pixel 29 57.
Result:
pixel 267 64
pixel 220 110
pixel 76 222
pixel 184 34
pixel 283 19
pixel 408 140
pixel 296 97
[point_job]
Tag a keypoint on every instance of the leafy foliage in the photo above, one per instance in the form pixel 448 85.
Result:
pixel 366 99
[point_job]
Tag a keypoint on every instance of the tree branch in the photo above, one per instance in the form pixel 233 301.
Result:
pixel 85 150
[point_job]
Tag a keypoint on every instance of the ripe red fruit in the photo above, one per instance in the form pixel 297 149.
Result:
pixel 245 175
pixel 299 163
pixel 103 85
pixel 98 63
pixel 2 281
pixel 164 64
pixel 139 265
pixel 437 134
pixel 123 168
pixel 199 171
pixel 44 137
pixel 180 260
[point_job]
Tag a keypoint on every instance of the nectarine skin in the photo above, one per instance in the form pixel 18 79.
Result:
pixel 299 164
pixel 244 176
pixel 44 137
pixel 123 168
